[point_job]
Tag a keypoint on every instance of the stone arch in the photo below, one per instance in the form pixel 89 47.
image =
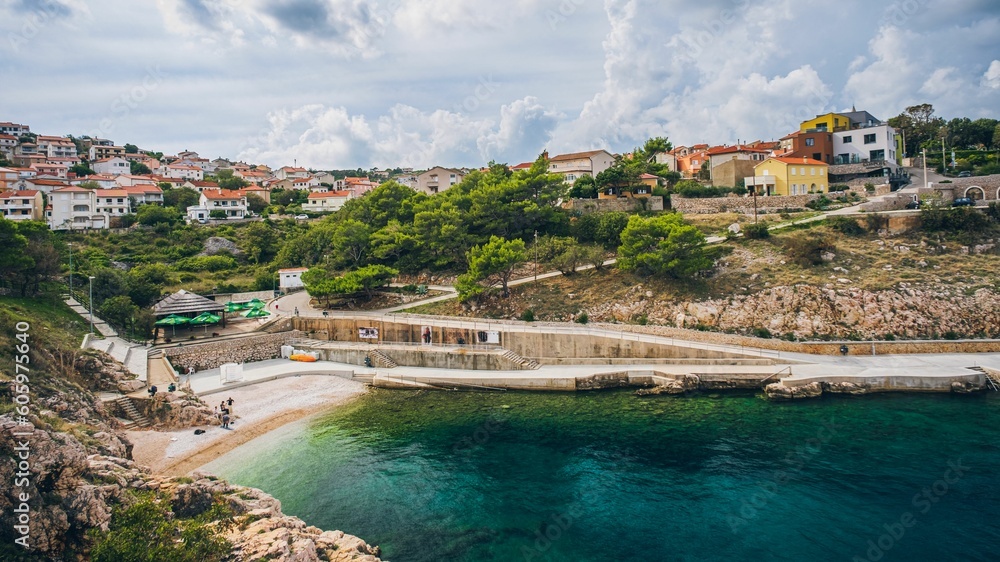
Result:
pixel 975 193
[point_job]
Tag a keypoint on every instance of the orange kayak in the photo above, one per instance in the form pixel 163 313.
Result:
pixel 303 358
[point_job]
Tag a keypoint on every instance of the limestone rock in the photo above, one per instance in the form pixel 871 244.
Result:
pixel 216 245
pixel 779 391
pixel 851 388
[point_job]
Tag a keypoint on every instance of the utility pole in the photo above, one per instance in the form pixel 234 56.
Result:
pixel 70 244
pixel 91 304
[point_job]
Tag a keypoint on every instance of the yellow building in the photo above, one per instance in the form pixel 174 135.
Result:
pixel 789 176
pixel 831 123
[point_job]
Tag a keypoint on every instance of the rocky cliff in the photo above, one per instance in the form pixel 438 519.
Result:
pixel 66 470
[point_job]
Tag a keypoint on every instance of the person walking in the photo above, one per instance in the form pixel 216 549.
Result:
pixel 225 421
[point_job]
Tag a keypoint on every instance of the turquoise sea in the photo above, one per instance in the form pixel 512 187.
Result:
pixel 456 476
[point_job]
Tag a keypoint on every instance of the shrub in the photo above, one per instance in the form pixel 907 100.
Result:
pixel 528 315
pixel 807 249
pixel 839 187
pixel 876 222
pixel 951 335
pixel 217 214
pixel 846 225
pixel 207 263
pixel 819 204
pixel 582 318
pixel 757 231
pixel 763 333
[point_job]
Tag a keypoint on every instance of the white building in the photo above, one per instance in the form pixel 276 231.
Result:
pixel 8 128
pixel 290 172
pixel 182 171
pixel 144 194
pixel 233 203
pixel 866 144
pixel 116 166
pixel 7 145
pixel 574 166
pixel 438 179
pixel 112 202
pixel 56 147
pixel 75 208
pixel 291 279
pixel 327 202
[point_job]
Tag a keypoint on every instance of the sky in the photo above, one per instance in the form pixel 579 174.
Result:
pixel 342 84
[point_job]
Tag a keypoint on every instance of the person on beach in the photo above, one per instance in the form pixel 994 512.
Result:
pixel 225 421
pixel 152 391
pixel 229 403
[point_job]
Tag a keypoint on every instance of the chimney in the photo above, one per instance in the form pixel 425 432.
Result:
pixel 805 159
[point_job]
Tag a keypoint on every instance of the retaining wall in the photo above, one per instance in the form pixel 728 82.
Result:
pixel 211 355
pixel 625 204
pixel 744 205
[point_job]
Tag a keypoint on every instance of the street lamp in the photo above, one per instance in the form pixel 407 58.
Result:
pixel 70 244
pixel 91 304
pixel 536 255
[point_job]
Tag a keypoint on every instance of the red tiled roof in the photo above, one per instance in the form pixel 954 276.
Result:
pixel 73 189
pixel 218 194
pixel 18 194
pixel 576 155
pixel 803 160
pixel 330 195
pixel 143 189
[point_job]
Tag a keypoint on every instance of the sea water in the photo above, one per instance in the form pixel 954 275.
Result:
pixel 443 476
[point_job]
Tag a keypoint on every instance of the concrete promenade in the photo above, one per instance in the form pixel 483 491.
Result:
pixel 906 372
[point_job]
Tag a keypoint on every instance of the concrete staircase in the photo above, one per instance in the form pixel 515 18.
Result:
pixel 137 419
pixel 132 355
pixel 380 359
pixel 520 362
pixel 992 377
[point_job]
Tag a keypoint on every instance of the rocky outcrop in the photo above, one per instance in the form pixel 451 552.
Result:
pixel 854 389
pixel 177 410
pixel 680 385
pixel 836 311
pixel 779 391
pixel 216 245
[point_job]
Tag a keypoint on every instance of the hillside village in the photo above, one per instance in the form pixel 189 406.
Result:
pixel 92 183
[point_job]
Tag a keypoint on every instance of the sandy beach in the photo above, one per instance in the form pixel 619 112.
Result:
pixel 258 409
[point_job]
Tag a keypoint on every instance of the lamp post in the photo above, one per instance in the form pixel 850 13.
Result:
pixel 70 244
pixel 536 255
pixel 925 167
pixel 91 304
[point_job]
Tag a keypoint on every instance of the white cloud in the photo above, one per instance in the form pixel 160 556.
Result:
pixel 991 79
pixel 888 83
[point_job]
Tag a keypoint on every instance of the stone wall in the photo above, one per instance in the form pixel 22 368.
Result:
pixel 243 297
pixel 211 355
pixel 736 204
pixel 625 204
pixel 895 202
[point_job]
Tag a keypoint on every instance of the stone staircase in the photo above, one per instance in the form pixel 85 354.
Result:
pixel 380 359
pixel 136 419
pixel 520 362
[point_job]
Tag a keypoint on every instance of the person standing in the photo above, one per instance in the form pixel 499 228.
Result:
pixel 225 421
pixel 230 404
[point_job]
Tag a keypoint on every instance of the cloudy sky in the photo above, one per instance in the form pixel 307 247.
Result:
pixel 357 83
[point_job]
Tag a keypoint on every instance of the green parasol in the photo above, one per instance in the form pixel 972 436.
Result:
pixel 256 313
pixel 256 303
pixel 173 321
pixel 205 318
pixel 234 307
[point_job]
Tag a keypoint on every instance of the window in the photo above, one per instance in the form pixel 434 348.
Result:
pixel 870 139
pixel 793 170
pixel 848 139
pixel 812 171
pixel 810 142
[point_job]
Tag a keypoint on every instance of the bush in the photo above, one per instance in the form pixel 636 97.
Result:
pixel 528 315
pixel 582 318
pixel 876 222
pixel 807 249
pixel 951 335
pixel 839 187
pixel 762 333
pixel 207 263
pixel 819 204
pixel 217 214
pixel 757 231
pixel 845 225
